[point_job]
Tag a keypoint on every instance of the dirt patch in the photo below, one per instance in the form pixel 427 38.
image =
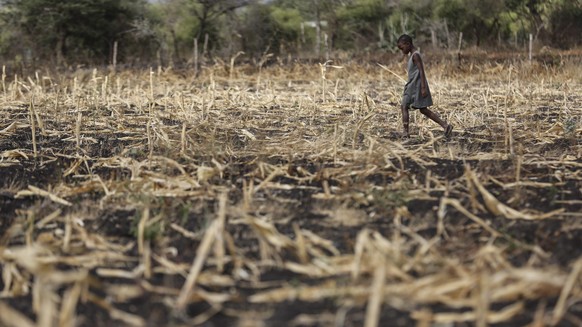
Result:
pixel 291 204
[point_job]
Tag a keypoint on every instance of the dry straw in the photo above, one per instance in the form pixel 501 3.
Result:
pixel 268 171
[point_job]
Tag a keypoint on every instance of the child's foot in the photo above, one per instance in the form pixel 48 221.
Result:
pixel 448 130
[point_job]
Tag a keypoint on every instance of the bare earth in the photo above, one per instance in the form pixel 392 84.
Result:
pixel 284 196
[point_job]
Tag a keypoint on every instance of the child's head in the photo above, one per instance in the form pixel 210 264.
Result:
pixel 405 43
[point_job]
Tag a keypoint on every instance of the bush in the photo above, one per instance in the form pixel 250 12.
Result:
pixel 565 25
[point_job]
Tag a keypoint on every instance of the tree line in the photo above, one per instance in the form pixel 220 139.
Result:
pixel 179 32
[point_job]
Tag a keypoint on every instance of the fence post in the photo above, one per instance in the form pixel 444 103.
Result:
pixel 530 45
pixel 114 59
pixel 195 56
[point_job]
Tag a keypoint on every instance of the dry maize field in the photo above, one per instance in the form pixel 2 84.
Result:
pixel 283 195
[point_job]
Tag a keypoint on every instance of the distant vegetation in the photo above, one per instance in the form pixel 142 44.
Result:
pixel 35 33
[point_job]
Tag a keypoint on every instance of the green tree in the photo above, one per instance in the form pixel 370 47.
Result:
pixel 409 16
pixel 530 12
pixel 174 27
pixel 208 11
pixel 186 20
pixel 363 22
pixel 257 31
pixel 479 20
pixel 87 27
pixel 565 24
pixel 319 17
pixel 270 27
pixel 286 27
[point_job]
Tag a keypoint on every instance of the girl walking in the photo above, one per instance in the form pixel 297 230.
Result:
pixel 416 91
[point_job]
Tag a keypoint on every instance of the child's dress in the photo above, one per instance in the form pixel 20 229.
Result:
pixel 412 97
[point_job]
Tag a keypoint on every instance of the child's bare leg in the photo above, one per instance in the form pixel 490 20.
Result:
pixel 405 120
pixel 434 117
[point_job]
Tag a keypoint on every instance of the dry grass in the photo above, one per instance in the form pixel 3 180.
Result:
pixel 253 196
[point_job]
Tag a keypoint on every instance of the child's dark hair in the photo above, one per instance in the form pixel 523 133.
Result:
pixel 405 38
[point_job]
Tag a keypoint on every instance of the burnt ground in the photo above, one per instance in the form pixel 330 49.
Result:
pixel 395 191
pixel 557 236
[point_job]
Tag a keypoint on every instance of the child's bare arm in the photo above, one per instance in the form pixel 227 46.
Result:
pixel 418 62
